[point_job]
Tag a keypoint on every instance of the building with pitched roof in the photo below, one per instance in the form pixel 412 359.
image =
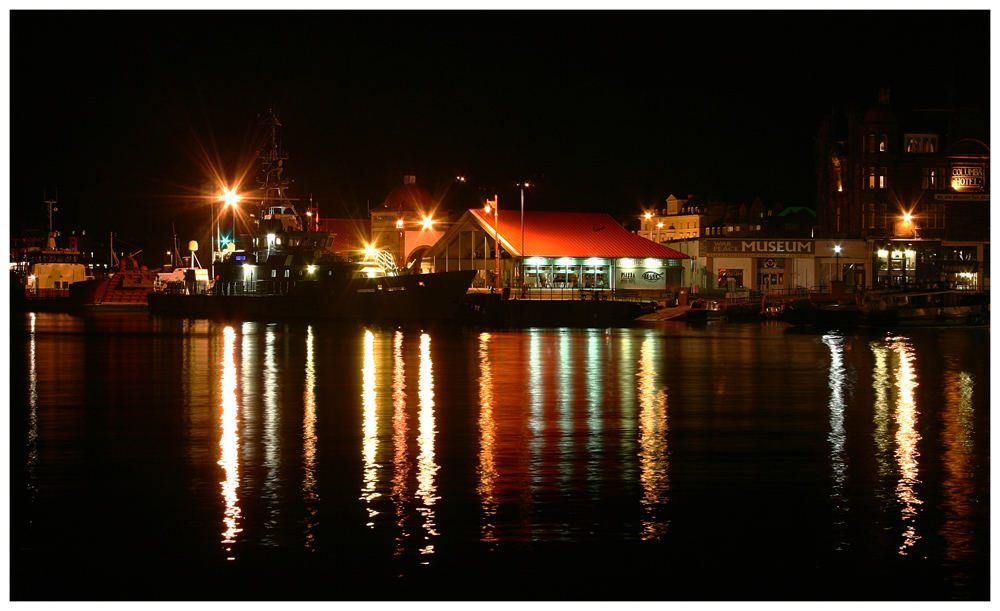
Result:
pixel 564 250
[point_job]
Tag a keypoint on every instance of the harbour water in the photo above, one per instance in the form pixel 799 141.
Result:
pixel 157 458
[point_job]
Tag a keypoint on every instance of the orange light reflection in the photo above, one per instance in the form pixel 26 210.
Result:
pixel 654 461
pixel 400 462
pixel 309 494
pixel 229 443
pixel 369 430
pixel 487 439
pixel 906 442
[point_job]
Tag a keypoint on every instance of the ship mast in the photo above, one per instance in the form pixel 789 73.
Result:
pixel 50 238
pixel 271 157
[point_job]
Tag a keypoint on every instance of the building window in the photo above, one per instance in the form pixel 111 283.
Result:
pixel 929 178
pixel 921 143
pixel 882 178
pixel 870 143
pixel 880 216
pixel 883 143
pixel 871 177
pixel 870 215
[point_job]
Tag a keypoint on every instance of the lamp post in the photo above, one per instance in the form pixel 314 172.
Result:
pixel 836 251
pixel 659 226
pixel 523 185
pixel 232 200
pixel 494 204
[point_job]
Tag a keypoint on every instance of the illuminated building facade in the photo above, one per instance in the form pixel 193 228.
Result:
pixel 556 250
pixel 408 223
pixel 914 185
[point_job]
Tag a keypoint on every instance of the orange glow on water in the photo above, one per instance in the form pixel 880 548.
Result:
pixel 654 461
pixel 400 460
pixel 487 440
pixel 309 439
pixel 369 430
pixel 229 443
pixel 906 442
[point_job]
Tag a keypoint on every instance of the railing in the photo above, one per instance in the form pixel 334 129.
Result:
pixel 578 294
pixel 46 293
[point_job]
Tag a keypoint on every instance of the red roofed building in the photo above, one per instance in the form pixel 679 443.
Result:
pixel 556 250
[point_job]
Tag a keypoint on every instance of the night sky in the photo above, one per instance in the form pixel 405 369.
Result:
pixel 607 111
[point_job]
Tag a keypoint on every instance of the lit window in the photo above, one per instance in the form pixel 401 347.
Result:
pixel 871 177
pixel 883 143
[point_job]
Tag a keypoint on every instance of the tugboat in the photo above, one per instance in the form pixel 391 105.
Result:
pixel 283 266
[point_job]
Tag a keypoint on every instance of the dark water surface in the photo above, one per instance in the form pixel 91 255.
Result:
pixel 168 459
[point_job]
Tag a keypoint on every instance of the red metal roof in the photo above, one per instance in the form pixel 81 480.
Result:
pixel 571 234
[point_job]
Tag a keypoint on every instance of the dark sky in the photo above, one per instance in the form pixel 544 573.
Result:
pixel 607 111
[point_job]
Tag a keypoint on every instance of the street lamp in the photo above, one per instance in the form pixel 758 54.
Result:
pixel 232 200
pixel 494 205
pixel 836 251
pixel 659 226
pixel 524 185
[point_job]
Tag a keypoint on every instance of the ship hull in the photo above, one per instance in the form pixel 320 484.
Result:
pixel 420 297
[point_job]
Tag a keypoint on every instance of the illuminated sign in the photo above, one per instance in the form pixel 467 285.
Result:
pixel 641 278
pixel 968 178
pixel 786 248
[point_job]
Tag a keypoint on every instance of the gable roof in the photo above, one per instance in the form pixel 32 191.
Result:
pixel 569 234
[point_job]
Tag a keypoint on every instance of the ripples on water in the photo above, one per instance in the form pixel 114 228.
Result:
pixel 713 462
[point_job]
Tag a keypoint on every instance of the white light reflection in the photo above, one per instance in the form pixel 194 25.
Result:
pixel 536 421
pixel 595 404
pixel 400 462
pixel 310 496
pixel 369 430
pixel 487 440
pixel 565 398
pixel 654 454
pixel 32 441
pixel 837 436
pixel 229 443
pixel 426 467
pixel 907 438
pixel 272 449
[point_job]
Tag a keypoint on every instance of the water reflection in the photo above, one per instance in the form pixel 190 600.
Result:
pixel 400 461
pixel 595 408
pixel 536 422
pixel 229 443
pixel 310 496
pixel 882 386
pixel 566 365
pixel 369 430
pixel 426 467
pixel 272 448
pixel 958 486
pixel 654 457
pixel 32 441
pixel 837 436
pixel 487 439
pixel 906 441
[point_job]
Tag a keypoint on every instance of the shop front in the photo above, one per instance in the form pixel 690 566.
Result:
pixel 759 265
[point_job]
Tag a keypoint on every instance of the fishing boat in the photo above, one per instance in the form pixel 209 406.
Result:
pixel 41 279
